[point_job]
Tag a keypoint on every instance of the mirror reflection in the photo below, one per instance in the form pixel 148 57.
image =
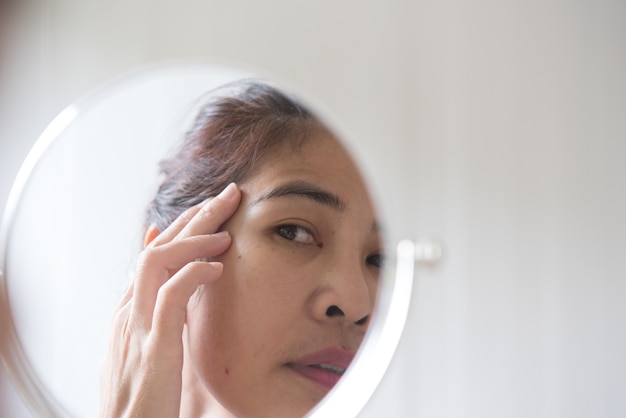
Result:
pixel 256 276
pixel 262 251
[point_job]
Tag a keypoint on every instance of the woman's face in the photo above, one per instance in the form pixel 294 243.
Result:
pixel 275 332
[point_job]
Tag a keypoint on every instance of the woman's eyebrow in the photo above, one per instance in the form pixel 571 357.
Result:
pixel 304 189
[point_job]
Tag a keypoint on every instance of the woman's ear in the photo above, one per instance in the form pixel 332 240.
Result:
pixel 151 233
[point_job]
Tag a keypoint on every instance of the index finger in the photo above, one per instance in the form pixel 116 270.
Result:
pixel 175 227
pixel 214 213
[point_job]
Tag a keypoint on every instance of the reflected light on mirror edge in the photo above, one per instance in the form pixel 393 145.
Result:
pixel 14 361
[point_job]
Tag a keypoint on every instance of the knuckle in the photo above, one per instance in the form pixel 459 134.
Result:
pixel 120 316
pixel 166 295
pixel 149 256
pixel 187 215
pixel 210 211
pixel 190 269
pixel 197 240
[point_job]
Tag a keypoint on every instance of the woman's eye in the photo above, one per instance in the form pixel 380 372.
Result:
pixel 376 260
pixel 297 234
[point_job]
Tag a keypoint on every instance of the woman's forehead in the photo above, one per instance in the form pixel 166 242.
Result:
pixel 320 170
pixel 321 161
pixel 320 154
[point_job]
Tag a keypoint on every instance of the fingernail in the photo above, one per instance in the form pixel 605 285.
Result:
pixel 217 265
pixel 222 235
pixel 229 192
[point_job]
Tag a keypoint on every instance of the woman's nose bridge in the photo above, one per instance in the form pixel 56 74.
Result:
pixel 348 281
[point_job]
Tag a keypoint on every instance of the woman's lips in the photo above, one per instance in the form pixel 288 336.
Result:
pixel 324 367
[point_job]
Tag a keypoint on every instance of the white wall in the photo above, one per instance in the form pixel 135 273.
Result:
pixel 519 170
pixel 498 129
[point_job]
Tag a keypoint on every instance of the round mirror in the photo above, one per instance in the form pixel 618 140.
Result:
pixel 75 225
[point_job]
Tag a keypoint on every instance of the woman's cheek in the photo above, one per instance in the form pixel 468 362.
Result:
pixel 211 333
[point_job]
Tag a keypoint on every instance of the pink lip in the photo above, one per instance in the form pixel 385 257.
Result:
pixel 324 367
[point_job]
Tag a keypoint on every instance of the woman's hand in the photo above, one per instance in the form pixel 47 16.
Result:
pixel 142 375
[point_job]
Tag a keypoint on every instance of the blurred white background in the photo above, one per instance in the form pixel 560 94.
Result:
pixel 501 124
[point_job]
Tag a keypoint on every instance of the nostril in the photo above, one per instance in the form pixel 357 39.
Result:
pixel 334 311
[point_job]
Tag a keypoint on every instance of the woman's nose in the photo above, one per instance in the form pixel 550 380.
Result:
pixel 345 295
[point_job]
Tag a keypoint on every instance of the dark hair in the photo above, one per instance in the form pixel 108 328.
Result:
pixel 232 132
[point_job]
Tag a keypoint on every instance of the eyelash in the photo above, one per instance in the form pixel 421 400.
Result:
pixel 376 260
pixel 290 232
